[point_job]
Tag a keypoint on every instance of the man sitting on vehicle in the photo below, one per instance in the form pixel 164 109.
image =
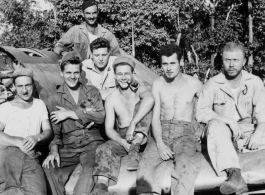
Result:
pixel 174 140
pixel 77 113
pixel 131 106
pixel 233 105
pixel 79 37
pixel 21 122
pixel 98 69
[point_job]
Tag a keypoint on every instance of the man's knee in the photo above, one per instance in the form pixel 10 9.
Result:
pixel 217 127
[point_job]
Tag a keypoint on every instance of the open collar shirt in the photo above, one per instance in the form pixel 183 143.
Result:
pixel 217 99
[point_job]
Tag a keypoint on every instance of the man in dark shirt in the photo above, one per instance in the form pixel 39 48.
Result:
pixel 76 114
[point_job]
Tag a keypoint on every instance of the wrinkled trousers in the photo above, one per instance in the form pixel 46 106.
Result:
pixel 179 137
pixel 20 174
pixel 109 154
pixel 58 176
pixel 220 146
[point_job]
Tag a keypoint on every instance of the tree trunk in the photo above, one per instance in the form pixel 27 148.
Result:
pixel 212 28
pixel 133 44
pixel 250 30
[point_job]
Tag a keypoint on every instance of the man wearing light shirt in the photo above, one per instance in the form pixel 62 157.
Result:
pixel 21 122
pixel 99 70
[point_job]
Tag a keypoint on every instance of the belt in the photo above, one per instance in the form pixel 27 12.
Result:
pixel 175 122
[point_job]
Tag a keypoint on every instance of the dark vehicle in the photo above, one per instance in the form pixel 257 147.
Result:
pixel 47 77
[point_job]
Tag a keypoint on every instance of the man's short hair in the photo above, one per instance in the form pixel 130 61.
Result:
pixel 99 43
pixel 169 50
pixel 88 3
pixel 72 57
pixel 231 46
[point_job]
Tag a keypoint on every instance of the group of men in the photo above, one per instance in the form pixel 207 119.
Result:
pixel 231 104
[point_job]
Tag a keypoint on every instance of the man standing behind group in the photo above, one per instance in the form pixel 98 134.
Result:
pixel 131 106
pixel 175 95
pixel 98 69
pixel 76 114
pixel 21 122
pixel 79 37
pixel 231 103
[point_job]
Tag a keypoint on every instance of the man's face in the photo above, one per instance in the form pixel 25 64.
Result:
pixel 24 87
pixel 91 15
pixel 71 75
pixel 124 76
pixel 170 66
pixel 101 58
pixel 233 62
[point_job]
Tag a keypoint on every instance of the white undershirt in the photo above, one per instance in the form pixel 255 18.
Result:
pixel 235 93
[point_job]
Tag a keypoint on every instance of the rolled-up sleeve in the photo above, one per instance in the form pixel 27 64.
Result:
pixel 96 116
pixel 259 101
pixel 55 127
pixel 65 42
pixel 204 109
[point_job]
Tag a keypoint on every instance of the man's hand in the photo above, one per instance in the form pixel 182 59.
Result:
pixel 54 156
pixel 60 115
pixel 30 142
pixel 126 145
pixel 237 132
pixel 22 148
pixel 254 141
pixel 164 151
pixel 130 132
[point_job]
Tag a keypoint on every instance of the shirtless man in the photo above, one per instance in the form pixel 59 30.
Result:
pixel 174 141
pixel 132 106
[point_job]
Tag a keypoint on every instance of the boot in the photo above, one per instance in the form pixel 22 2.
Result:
pixel 235 183
pixel 100 189
pixel 133 157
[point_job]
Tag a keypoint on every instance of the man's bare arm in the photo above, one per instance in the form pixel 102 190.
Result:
pixel 164 152
pixel 109 123
pixel 147 103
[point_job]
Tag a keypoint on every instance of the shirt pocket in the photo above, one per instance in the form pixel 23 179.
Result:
pixel 219 105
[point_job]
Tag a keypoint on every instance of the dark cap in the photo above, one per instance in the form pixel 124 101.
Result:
pixel 88 3
pixel 123 60
pixel 22 72
pixel 70 56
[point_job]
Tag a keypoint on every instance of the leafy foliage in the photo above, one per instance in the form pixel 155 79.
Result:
pixel 155 22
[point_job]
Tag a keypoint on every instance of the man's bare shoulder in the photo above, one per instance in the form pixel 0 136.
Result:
pixel 112 97
pixel 192 81
pixel 158 82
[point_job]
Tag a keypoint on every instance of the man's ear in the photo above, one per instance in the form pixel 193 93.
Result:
pixel 244 61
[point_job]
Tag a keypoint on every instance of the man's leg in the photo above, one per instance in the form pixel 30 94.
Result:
pixel 151 172
pixel 187 163
pixel 58 176
pixel 224 157
pixel 85 182
pixel 33 179
pixel 141 134
pixel 107 167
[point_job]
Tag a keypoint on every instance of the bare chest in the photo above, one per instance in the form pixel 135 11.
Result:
pixel 125 107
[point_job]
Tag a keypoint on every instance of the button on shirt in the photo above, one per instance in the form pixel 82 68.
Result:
pixel 217 99
pixel 94 78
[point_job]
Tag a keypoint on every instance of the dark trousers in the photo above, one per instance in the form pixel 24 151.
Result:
pixel 178 136
pixel 58 176
pixel 109 154
pixel 20 174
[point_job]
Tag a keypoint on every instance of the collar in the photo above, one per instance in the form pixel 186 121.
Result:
pixel 98 29
pixel 220 78
pixel 91 65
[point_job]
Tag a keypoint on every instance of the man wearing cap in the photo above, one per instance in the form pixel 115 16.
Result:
pixel 21 122
pixel 77 113
pixel 80 36
pixel 125 105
